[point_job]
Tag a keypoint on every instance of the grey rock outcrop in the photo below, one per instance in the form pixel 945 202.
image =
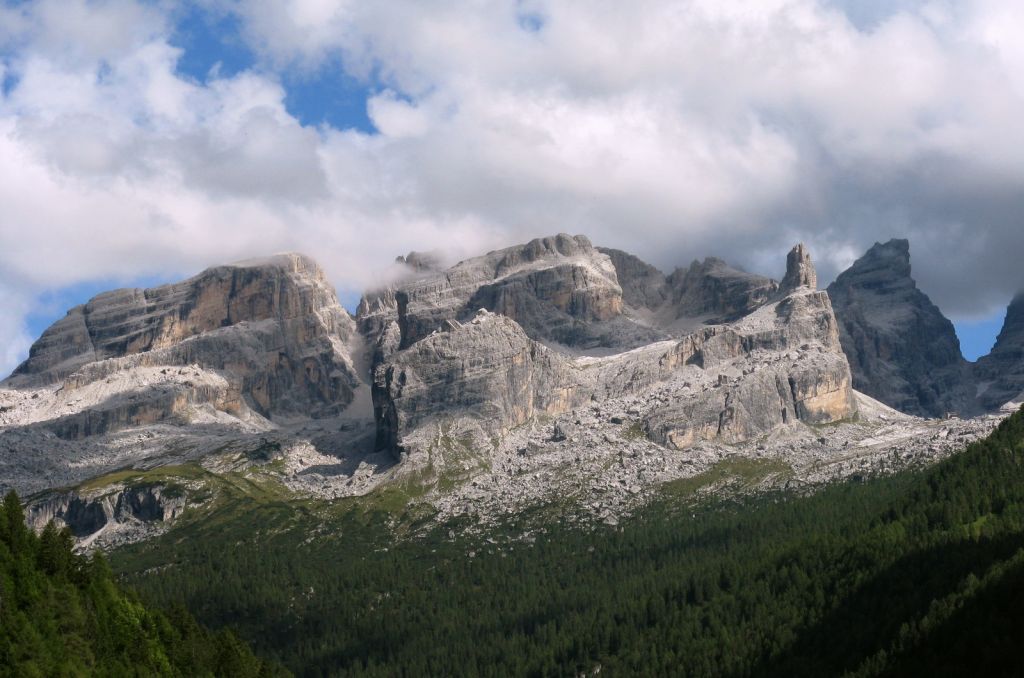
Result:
pixel 164 376
pixel 564 429
pixel 717 291
pixel 86 514
pixel 488 367
pixel 558 289
pixel 643 286
pixel 780 364
pixel 707 292
pixel 267 336
pixel 800 271
pixel 902 350
pixel 1000 374
pixel 144 378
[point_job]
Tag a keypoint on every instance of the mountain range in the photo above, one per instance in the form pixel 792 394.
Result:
pixel 553 369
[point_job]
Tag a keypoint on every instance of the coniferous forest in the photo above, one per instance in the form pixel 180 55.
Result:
pixel 919 573
pixel 62 614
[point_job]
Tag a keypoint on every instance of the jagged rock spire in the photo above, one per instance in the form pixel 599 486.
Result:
pixel 901 349
pixel 799 271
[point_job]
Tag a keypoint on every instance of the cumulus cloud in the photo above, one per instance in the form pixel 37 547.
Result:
pixel 680 128
pixel 671 129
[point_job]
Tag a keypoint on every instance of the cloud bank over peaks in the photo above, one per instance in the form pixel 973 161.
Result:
pixel 671 129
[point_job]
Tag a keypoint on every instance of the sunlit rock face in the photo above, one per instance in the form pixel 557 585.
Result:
pixel 779 364
pixel 267 336
pixel 558 289
pixel 487 368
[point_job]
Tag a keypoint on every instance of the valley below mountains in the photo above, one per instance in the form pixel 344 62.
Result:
pixel 550 373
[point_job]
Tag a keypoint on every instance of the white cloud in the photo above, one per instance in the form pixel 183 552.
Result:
pixel 14 339
pixel 673 129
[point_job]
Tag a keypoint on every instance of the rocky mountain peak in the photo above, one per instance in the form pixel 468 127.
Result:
pixel 480 380
pixel 712 288
pixel 643 285
pixel 562 244
pixel 124 322
pixel 422 261
pixel 884 263
pixel 799 271
pixel 558 289
pixel 902 350
pixel 1011 336
pixel 259 338
pixel 1000 374
pixel 293 263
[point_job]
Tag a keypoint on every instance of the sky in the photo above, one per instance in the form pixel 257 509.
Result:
pixel 143 140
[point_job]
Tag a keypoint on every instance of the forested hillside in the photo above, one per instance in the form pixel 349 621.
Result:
pixel 61 614
pixel 917 573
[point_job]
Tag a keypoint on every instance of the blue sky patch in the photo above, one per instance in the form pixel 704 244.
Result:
pixel 213 47
pixel 211 44
pixel 978 337
pixel 328 97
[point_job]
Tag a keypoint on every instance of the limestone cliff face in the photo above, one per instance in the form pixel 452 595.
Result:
pixel 902 350
pixel 563 290
pixel 643 286
pixel 710 290
pixel 713 288
pixel 265 336
pixel 288 289
pixel 1000 374
pixel 778 365
pixel 487 368
pixel 558 289
pixel 86 514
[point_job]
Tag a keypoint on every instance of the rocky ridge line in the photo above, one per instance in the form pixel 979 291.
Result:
pixel 543 371
pixel 781 364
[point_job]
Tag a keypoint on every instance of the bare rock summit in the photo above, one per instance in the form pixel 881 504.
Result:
pixel 1000 374
pixel 799 271
pixel 558 289
pixel 902 350
pixel 235 348
pixel 474 383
